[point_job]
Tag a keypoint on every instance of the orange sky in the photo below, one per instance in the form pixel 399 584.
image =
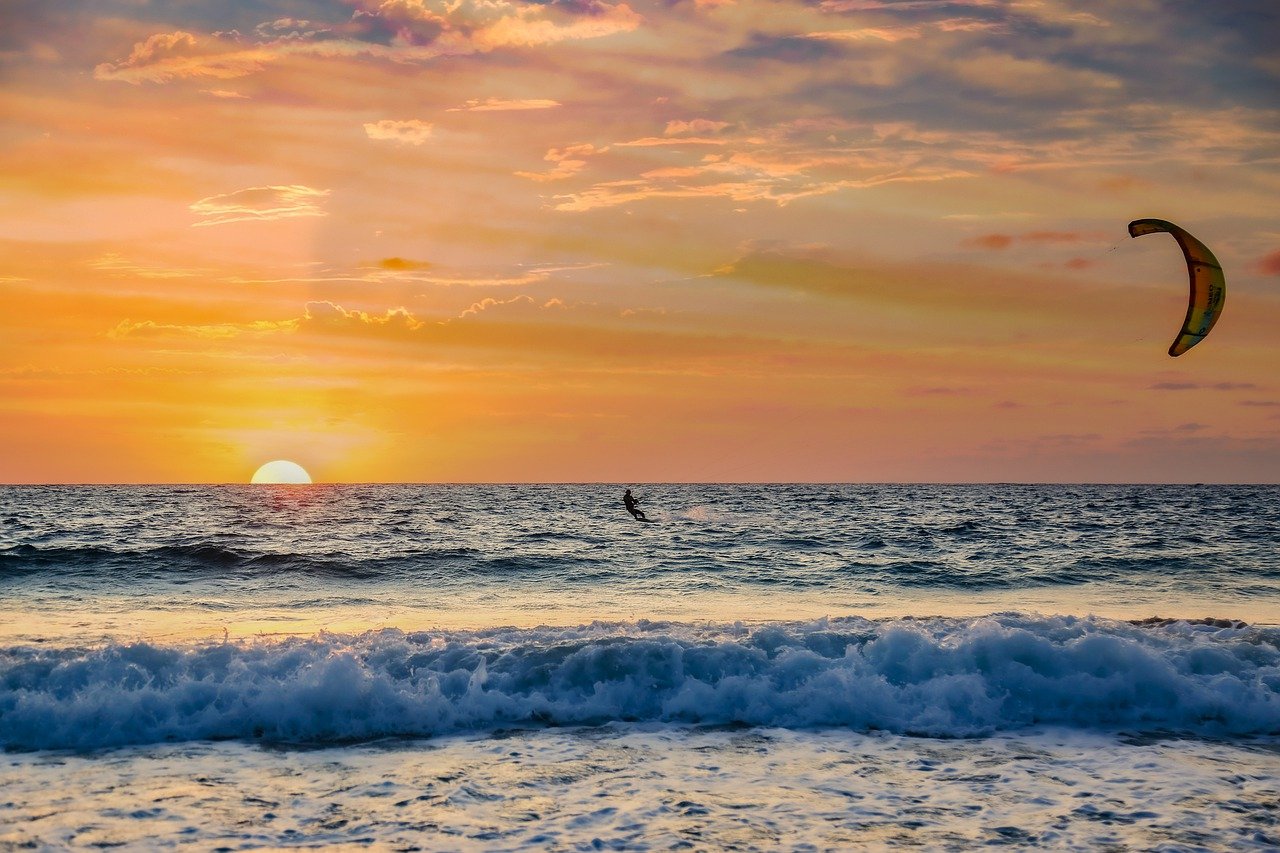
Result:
pixel 584 240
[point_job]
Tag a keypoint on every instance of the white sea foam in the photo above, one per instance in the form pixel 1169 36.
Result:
pixel 944 677
pixel 656 787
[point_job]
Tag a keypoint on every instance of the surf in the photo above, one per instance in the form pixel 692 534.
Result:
pixel 936 677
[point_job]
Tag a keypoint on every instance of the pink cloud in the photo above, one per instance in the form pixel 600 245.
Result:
pixel 1004 241
pixel 995 242
pixel 1269 264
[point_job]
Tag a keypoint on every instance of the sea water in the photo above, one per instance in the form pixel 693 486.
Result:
pixel 526 667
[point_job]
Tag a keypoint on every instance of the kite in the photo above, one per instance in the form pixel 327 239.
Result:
pixel 1208 284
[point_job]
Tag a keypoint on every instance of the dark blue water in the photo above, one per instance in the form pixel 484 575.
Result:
pixel 115 559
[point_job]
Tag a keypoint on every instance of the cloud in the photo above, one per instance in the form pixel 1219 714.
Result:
pixel 528 28
pixel 330 316
pixel 210 331
pixel 1061 440
pixel 402 264
pixel 319 316
pixel 971 304
pixel 163 57
pixel 292 29
pixel 789 49
pixel 505 104
pixel 997 242
pixel 260 204
pixel 888 34
pixel 1199 386
pixel 995 14
pixel 697 125
pixel 653 141
pixel 1269 264
pixel 568 162
pixel 1060 236
pixel 392 30
pixel 489 302
pixel 990 241
pixel 1012 75
pixel 118 265
pixel 403 270
pixel 902 5
pixel 778 163
pixel 940 391
pixel 411 132
pixel 160 47
pixel 519 329
pixel 971 25
pixel 758 182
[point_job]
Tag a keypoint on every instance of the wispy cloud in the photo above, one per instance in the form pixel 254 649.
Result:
pixel 754 180
pixel 1201 386
pixel 568 161
pixel 1000 241
pixel 489 302
pixel 410 132
pixel 206 331
pixel 398 264
pixel 889 34
pixel 260 204
pixel 505 105
pixel 116 264
pixel 680 127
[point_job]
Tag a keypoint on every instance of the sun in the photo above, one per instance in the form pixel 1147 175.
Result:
pixel 281 471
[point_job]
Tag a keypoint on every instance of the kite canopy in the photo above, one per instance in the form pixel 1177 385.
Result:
pixel 1208 284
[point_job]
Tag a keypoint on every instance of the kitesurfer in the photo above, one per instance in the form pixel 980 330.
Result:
pixel 629 501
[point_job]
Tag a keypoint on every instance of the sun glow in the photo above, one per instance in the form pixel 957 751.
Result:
pixel 281 471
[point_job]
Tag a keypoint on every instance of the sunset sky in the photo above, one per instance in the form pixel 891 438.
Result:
pixel 586 240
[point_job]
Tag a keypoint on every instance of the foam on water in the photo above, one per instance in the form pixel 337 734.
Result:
pixel 653 787
pixel 941 677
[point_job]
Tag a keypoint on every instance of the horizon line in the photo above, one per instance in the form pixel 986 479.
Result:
pixel 650 483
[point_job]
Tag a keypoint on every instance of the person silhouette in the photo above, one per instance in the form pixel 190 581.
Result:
pixel 630 501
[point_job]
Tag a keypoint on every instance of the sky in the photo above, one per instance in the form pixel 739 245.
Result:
pixel 599 241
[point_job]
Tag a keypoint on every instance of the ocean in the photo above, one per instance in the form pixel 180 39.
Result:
pixel 524 667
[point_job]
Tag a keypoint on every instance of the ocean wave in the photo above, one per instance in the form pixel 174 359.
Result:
pixel 936 677
pixel 217 560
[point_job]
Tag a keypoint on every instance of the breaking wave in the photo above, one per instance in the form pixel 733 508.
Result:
pixel 936 677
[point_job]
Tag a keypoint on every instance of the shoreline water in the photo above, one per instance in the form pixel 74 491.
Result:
pixel 646 787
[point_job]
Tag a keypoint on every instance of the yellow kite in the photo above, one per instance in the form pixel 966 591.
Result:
pixel 1208 284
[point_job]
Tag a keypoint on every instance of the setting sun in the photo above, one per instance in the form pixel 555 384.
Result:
pixel 281 471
